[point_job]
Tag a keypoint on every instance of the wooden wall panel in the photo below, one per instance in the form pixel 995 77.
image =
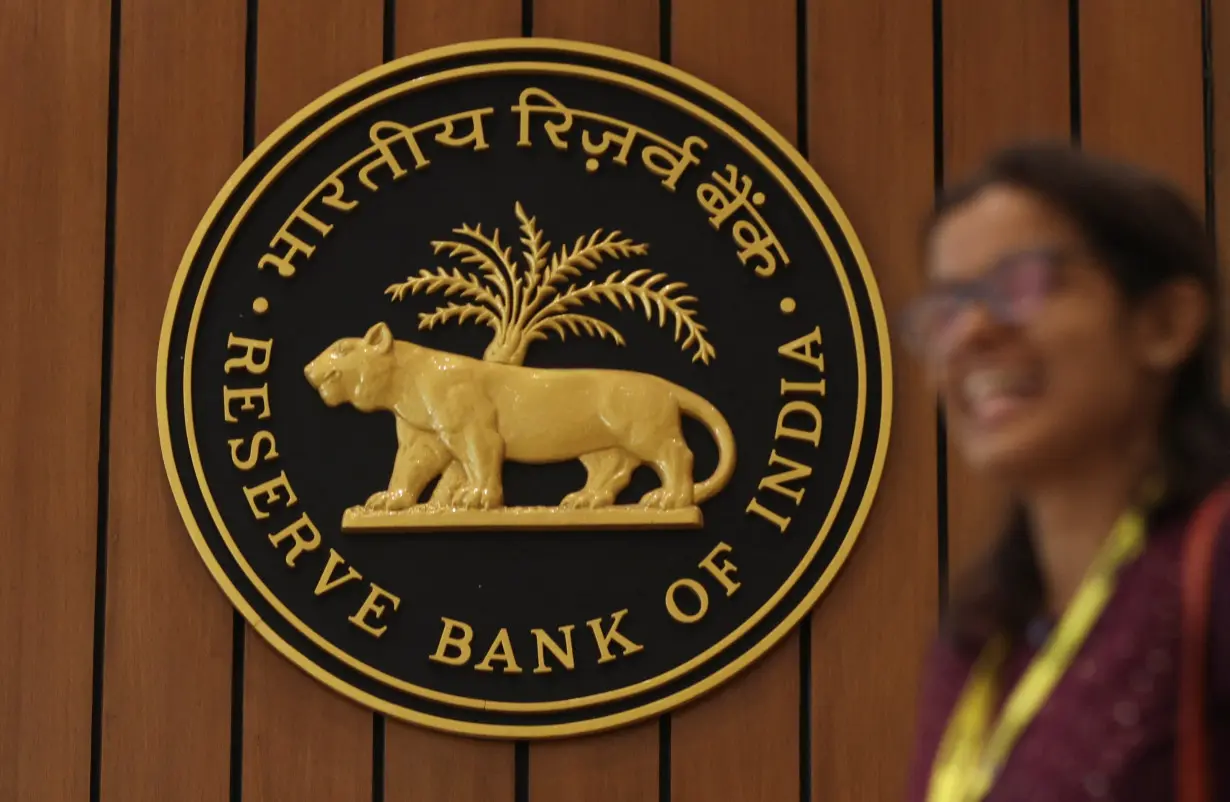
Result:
pixel 421 765
pixel 167 638
pixel 169 630
pixel 742 741
pixel 1005 79
pixel 1142 94
pixel 1218 26
pixel 620 766
pixel 626 24
pixel 301 740
pixel 871 125
pixel 433 23
pixel 53 157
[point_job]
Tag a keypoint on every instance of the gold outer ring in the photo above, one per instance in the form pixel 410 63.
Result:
pixel 615 719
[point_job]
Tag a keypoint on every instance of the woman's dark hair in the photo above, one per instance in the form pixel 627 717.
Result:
pixel 1147 235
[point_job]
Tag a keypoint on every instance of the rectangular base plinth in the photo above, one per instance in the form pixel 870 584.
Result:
pixel 423 519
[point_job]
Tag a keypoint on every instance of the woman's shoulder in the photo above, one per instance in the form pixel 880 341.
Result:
pixel 1219 616
pixel 945 671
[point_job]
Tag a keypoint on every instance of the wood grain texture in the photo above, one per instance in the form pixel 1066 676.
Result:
pixel 426 766
pixel 617 766
pixel 1006 79
pixel 621 766
pixel 747 48
pixel 166 702
pixel 626 24
pixel 742 742
pixel 53 156
pixel 433 23
pixel 421 765
pixel 1141 88
pixel 871 132
pixel 1219 29
pixel 301 740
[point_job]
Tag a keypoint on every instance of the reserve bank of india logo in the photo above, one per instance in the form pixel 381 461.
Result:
pixel 524 388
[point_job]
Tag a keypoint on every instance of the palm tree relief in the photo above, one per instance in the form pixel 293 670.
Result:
pixel 527 299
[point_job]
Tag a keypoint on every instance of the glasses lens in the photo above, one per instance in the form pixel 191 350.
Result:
pixel 1021 283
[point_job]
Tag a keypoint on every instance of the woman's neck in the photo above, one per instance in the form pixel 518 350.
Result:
pixel 1072 513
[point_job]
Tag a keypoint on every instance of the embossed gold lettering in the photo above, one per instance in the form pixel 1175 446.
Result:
pixel 335 199
pixel 724 200
pixel 285 262
pixel 777 482
pixel 547 643
pixel 373 608
pixel 501 650
pixel 250 348
pixel 721 572
pixel 758 240
pixel 456 635
pixel 669 162
pixel 270 492
pixel 248 395
pixel 326 582
pixel 599 148
pixel 702 601
pixel 819 388
pixel 800 350
pixel 383 135
pixel 768 514
pixel 249 462
pixel 301 543
pixel 605 637
pixel 476 137
pixel 811 434
pixel 537 101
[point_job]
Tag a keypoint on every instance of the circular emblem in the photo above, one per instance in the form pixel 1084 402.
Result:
pixel 524 388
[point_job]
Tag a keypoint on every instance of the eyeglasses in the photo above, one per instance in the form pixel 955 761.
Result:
pixel 1011 292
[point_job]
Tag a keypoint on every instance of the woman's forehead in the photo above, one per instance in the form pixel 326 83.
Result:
pixel 998 221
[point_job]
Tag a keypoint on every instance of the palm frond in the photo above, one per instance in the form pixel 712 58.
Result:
pixel 490 258
pixel 460 313
pixel 536 249
pixel 587 254
pixel 577 324
pixel 638 288
pixel 450 283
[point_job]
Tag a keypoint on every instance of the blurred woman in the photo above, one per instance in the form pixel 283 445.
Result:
pixel 1071 328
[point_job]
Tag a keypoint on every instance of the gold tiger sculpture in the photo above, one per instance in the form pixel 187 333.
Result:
pixel 460 418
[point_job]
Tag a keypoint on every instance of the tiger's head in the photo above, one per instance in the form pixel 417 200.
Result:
pixel 355 370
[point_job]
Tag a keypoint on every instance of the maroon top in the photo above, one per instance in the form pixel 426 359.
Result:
pixel 1108 729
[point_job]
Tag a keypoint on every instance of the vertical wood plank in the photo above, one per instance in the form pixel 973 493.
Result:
pixel 871 126
pixel 53 156
pixel 301 740
pixel 1006 79
pixel 1219 41
pixel 420 765
pixel 626 24
pixel 745 48
pixel 422 24
pixel 742 742
pixel 1141 87
pixel 621 766
pixel 166 710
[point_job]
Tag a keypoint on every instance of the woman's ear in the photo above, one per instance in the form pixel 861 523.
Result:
pixel 1173 321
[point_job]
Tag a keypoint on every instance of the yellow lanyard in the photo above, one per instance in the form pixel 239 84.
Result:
pixel 969 761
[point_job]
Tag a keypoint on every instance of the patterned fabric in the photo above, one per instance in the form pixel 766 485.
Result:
pixel 1107 732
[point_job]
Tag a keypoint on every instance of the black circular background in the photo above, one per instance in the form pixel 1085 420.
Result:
pixel 336 457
